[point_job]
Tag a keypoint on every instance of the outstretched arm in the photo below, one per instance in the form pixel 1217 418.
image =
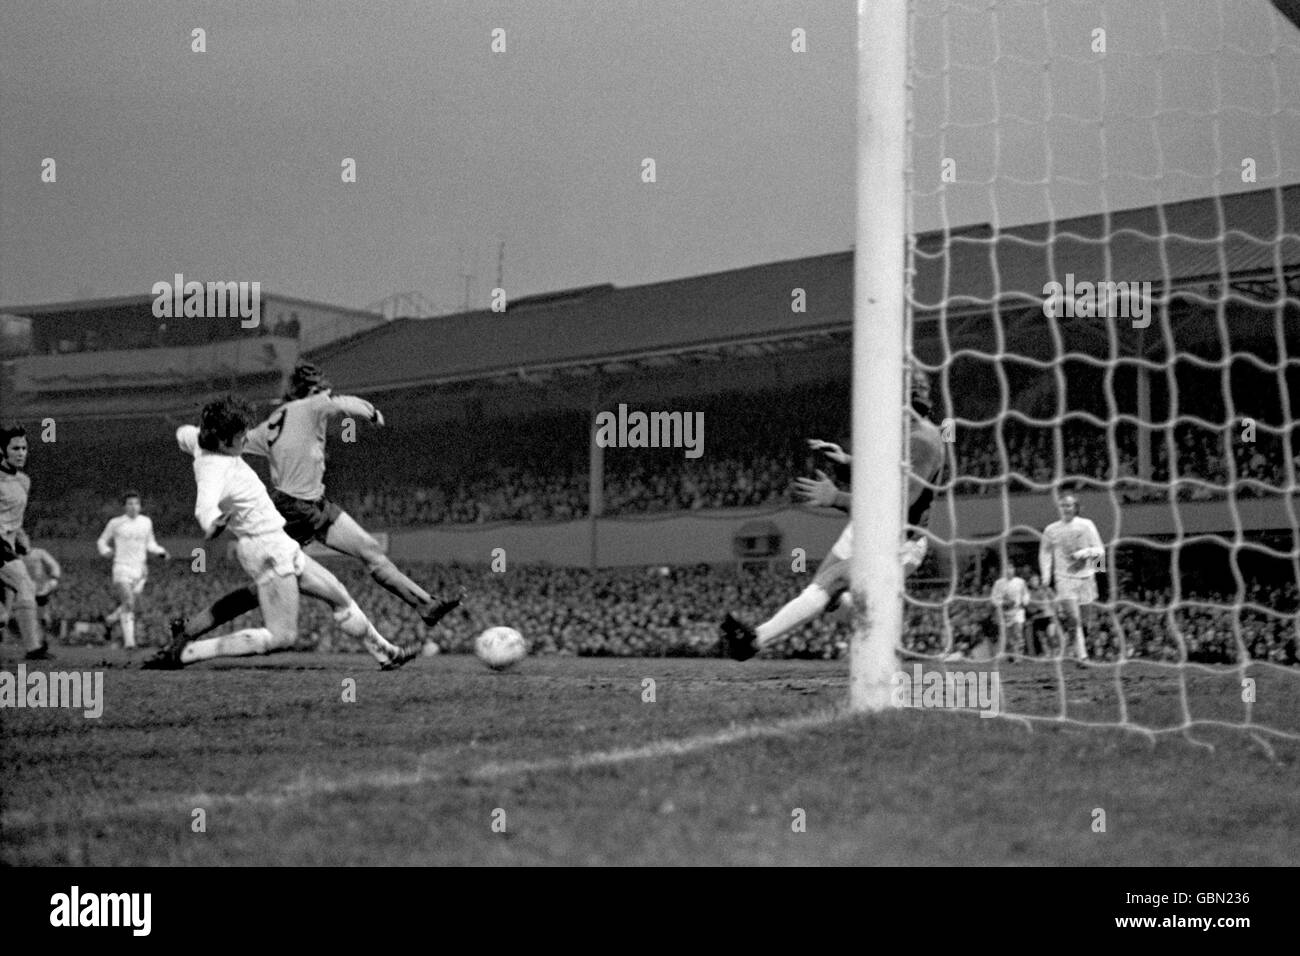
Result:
pixel 152 546
pixel 351 405
pixel 52 569
pixel 820 492
pixel 104 543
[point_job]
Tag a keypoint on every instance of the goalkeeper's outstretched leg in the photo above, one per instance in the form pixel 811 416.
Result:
pixel 828 593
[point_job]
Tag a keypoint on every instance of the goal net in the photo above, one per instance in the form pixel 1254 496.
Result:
pixel 1082 220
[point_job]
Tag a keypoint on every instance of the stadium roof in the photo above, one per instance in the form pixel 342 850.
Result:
pixel 143 303
pixel 1252 236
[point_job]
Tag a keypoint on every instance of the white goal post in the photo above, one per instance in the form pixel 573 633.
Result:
pixel 879 350
pixel 1154 149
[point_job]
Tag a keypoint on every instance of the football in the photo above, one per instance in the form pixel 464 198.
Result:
pixel 499 647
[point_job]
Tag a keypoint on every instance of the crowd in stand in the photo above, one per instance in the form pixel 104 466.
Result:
pixel 675 612
pixel 1144 623
pixel 536 469
pixel 1199 460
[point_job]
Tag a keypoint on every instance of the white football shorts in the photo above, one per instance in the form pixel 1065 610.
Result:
pixel 1014 616
pixel 1079 590
pixel 911 553
pixel 131 578
pixel 268 556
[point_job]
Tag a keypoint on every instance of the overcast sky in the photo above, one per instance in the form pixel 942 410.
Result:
pixel 226 165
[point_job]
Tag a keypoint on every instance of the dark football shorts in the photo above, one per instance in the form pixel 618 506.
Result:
pixel 305 520
pixel 1039 624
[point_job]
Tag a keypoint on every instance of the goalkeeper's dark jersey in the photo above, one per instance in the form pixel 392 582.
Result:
pixel 926 463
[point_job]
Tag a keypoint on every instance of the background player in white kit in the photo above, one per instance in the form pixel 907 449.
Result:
pixel 1010 595
pixel 128 539
pixel 14 543
pixel 1068 557
pixel 231 495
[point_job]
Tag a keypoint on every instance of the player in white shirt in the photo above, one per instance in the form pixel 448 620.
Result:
pixel 128 539
pixel 1010 596
pixel 829 590
pixel 45 573
pixel 292 439
pixel 1069 556
pixel 14 543
pixel 231 495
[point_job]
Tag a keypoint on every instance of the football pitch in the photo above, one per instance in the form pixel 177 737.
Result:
pixel 285 761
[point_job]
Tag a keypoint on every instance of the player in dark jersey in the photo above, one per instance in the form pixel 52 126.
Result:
pixel 14 543
pixel 293 441
pixel 829 590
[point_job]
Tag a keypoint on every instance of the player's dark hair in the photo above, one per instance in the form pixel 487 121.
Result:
pixel 8 433
pixel 222 420
pixel 307 379
pixel 129 494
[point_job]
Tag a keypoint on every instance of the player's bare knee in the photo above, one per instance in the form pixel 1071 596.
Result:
pixel 833 575
pixel 24 596
pixel 282 637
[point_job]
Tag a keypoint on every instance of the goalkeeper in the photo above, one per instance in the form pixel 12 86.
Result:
pixel 829 591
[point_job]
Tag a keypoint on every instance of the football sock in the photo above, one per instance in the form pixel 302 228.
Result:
pixel 253 640
pixel 128 628
pixel 1079 645
pixel 395 582
pixel 810 602
pixel 29 626
pixel 114 615
pixel 354 623
pixel 223 609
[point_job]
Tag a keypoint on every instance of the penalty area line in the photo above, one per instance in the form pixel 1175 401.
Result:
pixel 309 787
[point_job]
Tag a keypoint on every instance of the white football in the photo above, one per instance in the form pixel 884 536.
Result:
pixel 499 647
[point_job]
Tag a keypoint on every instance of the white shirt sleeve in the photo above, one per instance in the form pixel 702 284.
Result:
pixel 187 437
pixel 349 405
pixel 1045 558
pixel 1095 549
pixel 151 543
pixel 207 504
pixel 51 566
pixel 104 543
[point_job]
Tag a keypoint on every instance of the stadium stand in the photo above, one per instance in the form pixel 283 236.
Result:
pixel 491 428
pixel 673 612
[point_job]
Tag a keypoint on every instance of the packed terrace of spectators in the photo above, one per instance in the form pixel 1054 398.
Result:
pixel 675 612
pixel 414 473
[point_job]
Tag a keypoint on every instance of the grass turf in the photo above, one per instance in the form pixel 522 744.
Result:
pixel 581 769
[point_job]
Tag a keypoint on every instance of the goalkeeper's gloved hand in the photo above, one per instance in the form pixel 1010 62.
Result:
pixel 818 492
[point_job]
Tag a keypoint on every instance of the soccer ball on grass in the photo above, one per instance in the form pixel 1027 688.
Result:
pixel 499 647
